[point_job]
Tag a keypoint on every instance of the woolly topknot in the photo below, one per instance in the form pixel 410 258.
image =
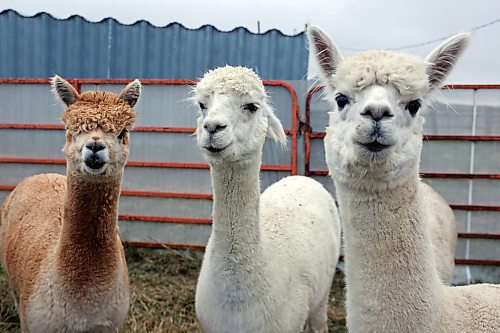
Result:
pixel 98 109
pixel 229 79
pixel 406 73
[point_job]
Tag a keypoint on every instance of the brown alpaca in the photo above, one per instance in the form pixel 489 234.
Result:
pixel 59 243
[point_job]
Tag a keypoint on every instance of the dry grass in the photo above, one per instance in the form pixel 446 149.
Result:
pixel 162 294
pixel 162 290
pixel 9 322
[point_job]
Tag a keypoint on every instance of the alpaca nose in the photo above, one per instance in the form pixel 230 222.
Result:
pixel 95 146
pixel 377 112
pixel 213 127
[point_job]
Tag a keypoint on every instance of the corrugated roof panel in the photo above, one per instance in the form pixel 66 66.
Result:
pixel 41 45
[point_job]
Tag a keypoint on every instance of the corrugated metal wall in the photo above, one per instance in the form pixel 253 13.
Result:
pixel 41 46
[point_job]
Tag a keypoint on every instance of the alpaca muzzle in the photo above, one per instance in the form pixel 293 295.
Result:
pixel 95 155
pixel 94 162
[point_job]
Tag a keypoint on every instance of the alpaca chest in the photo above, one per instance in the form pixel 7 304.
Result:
pixel 255 316
pixel 242 305
pixel 49 310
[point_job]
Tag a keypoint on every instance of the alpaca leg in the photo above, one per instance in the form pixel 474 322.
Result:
pixel 14 294
pixel 318 320
pixel 15 298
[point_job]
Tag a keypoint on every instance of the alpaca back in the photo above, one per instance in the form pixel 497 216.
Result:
pixel 31 224
pixel 304 218
pixel 473 308
pixel 302 209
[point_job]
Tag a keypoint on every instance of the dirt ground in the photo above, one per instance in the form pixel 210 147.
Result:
pixel 163 283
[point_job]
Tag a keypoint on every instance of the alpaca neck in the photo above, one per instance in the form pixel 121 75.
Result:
pixel 89 246
pixel 391 275
pixel 236 227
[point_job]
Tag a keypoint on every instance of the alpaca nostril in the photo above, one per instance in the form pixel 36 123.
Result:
pixel 377 113
pixel 95 146
pixel 220 127
pixel 213 128
pixel 387 114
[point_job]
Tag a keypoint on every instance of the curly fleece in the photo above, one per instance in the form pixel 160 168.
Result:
pixel 98 109
pixel 228 79
pixel 407 73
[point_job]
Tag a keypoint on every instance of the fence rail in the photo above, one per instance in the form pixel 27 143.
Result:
pixel 291 168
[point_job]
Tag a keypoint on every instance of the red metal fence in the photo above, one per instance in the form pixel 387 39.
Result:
pixel 310 134
pixel 292 167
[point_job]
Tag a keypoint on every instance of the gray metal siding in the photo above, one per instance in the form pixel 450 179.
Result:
pixel 41 46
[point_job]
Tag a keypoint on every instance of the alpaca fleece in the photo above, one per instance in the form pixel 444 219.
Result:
pixel 98 109
pixel 406 73
pixel 231 80
pixel 443 231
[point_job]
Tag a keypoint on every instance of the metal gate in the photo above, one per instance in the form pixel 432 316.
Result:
pixel 141 186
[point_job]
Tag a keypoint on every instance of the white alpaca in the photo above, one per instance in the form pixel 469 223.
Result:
pixel 270 260
pixel 373 147
pixel 59 243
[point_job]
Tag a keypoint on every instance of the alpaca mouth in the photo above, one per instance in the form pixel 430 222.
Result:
pixel 94 163
pixel 374 146
pixel 213 149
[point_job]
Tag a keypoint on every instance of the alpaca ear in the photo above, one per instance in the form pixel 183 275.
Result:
pixel 131 92
pixel 444 57
pixel 325 52
pixel 275 129
pixel 64 90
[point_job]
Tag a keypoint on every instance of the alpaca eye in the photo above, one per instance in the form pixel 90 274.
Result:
pixel 413 107
pixel 202 106
pixel 250 107
pixel 342 101
pixel 122 134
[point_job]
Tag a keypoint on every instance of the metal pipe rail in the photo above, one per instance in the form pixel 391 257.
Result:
pixel 77 83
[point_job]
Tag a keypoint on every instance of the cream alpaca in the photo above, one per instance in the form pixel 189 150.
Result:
pixel 271 258
pixel 59 243
pixel 373 147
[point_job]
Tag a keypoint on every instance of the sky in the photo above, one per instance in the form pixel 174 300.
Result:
pixel 353 25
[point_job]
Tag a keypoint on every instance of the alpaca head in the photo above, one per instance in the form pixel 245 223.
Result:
pixel 235 117
pixel 97 128
pixel 374 137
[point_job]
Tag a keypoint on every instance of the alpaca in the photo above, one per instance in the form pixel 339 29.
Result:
pixel 59 242
pixel 270 259
pixel 373 147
